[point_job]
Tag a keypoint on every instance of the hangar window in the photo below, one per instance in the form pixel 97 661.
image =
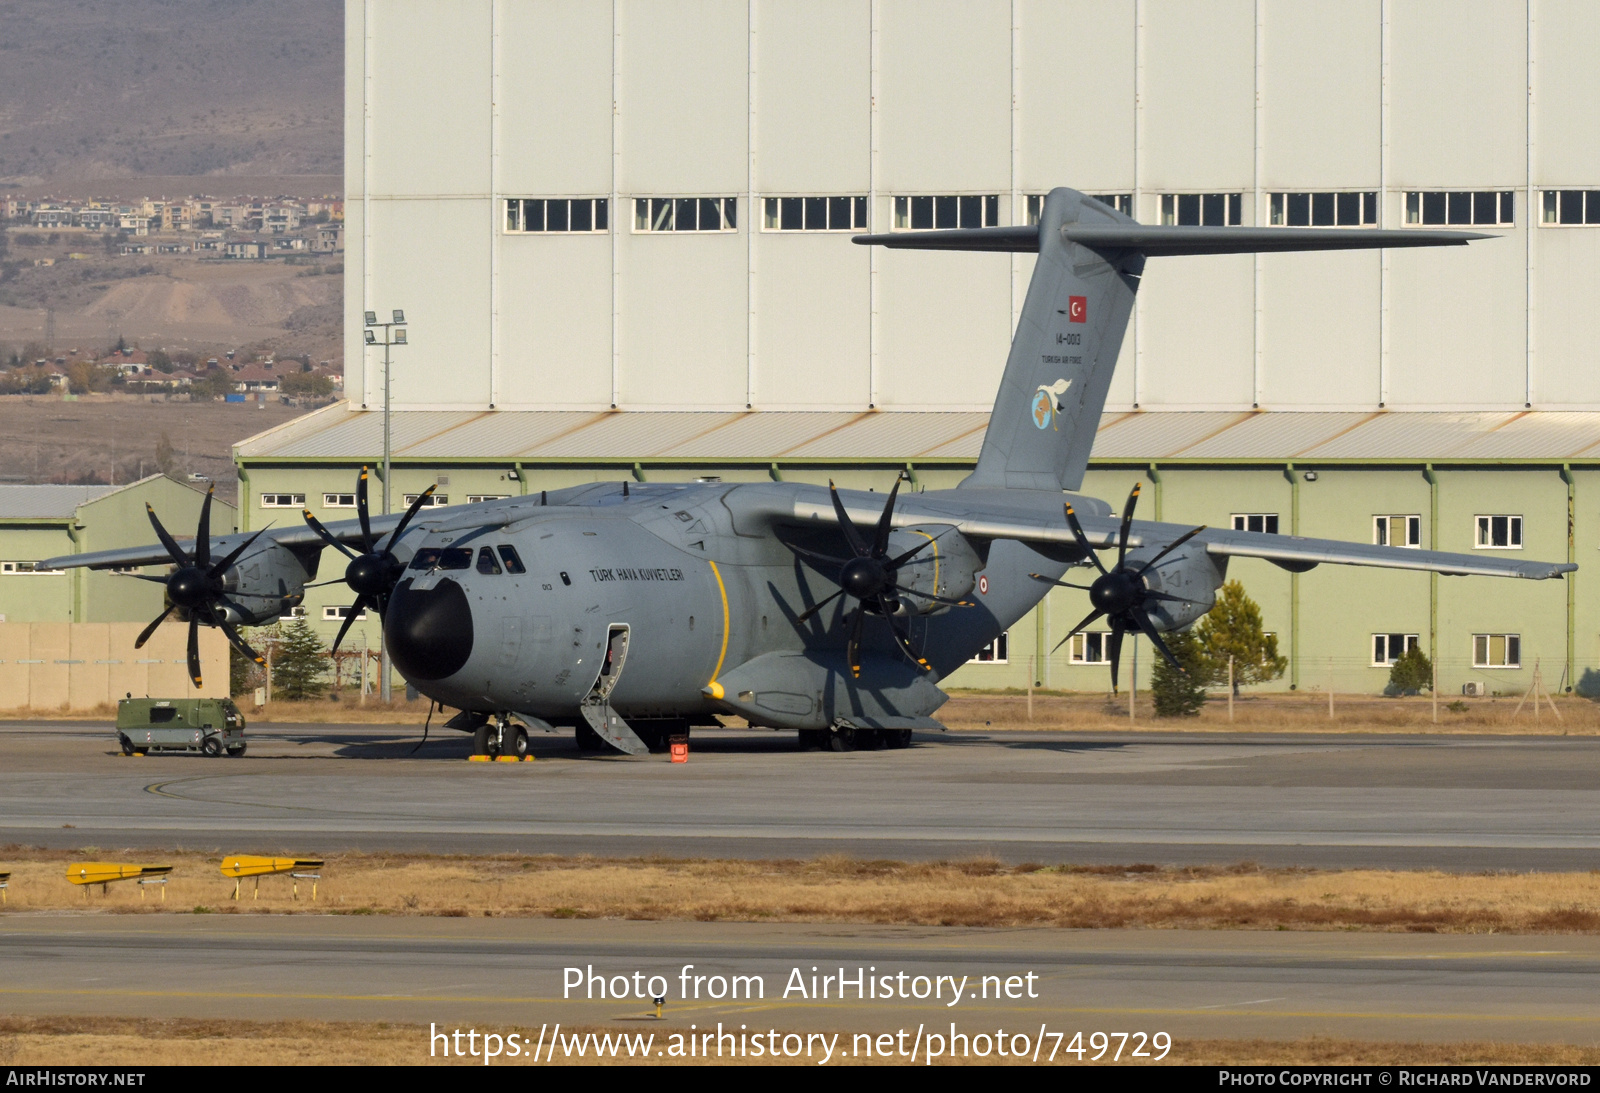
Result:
pixel 1460 207
pixel 814 214
pixel 437 501
pixel 1123 203
pixel 31 569
pixel 283 500
pixel 1256 521
pixel 1499 533
pixel 1388 648
pixel 475 498
pixel 928 212
pixel 333 613
pixel 1091 647
pixel 1497 650
pixel 556 214
pixel 996 652
pixel 685 214
pixel 1570 207
pixel 338 500
pixel 1210 210
pixel 1400 531
pixel 296 612
pixel 1324 210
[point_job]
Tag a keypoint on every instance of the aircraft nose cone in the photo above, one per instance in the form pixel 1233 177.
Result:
pixel 429 632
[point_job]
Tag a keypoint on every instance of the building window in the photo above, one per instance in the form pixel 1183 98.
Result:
pixel 1493 207
pixel 685 214
pixel 437 501
pixel 29 569
pixel 1123 203
pixel 953 211
pixel 996 652
pixel 1091 647
pixel 292 614
pixel 1400 531
pixel 556 214
pixel 1256 521
pixel 1497 650
pixel 283 500
pixel 474 498
pixel 1212 210
pixel 814 214
pixel 1388 648
pixel 332 613
pixel 1570 207
pixel 1499 533
pixel 1324 210
pixel 338 500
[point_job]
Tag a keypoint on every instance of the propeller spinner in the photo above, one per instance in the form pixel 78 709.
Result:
pixel 869 575
pixel 373 573
pixel 1120 593
pixel 196 586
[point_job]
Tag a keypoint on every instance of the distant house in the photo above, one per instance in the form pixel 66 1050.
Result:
pixel 134 248
pixel 244 249
pixel 330 238
pixel 255 377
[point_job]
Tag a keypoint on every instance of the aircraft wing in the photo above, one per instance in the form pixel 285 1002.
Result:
pixel 296 534
pixel 989 516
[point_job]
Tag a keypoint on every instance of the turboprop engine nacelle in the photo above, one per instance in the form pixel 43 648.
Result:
pixel 1188 572
pixel 266 582
pixel 948 568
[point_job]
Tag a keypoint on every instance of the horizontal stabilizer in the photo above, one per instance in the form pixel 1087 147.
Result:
pixel 1157 241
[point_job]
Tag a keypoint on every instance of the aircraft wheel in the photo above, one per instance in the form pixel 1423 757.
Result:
pixel 211 746
pixel 237 751
pixel 514 741
pixel 843 740
pixel 141 751
pixel 897 738
pixel 485 740
pixel 127 745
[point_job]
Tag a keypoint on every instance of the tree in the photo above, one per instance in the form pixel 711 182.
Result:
pixel 166 458
pixel 1232 628
pixel 306 385
pixel 1181 694
pixel 1411 674
pixel 159 361
pixel 298 663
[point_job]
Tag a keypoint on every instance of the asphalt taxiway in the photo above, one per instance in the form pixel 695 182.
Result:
pixel 508 975
pixel 1452 802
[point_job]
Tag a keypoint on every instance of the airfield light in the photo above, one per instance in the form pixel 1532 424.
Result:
pixel 399 317
pixel 393 334
pixel 399 337
pixel 372 318
pixel 372 339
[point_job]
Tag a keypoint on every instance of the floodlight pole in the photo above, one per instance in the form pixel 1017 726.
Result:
pixel 394 333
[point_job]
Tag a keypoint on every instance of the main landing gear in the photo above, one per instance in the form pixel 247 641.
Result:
pixel 845 738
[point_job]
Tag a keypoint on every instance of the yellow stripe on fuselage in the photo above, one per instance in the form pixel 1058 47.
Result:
pixel 723 592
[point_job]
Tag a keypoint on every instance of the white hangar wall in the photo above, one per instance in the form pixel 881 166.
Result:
pixel 454 109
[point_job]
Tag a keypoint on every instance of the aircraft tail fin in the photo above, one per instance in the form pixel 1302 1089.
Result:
pixel 1076 312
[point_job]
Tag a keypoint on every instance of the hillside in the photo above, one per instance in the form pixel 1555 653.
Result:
pixel 94 90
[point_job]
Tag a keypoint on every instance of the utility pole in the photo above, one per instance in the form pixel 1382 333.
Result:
pixel 394 333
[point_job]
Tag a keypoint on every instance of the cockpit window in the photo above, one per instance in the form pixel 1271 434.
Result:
pixel 455 558
pixel 513 562
pixel 426 558
pixel 486 562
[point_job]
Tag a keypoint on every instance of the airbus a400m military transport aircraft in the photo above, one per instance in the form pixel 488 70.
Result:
pixel 632 611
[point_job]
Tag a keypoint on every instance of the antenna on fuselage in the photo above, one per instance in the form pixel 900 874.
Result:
pixel 543 499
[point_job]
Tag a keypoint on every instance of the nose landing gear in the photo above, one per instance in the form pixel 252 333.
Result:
pixel 502 737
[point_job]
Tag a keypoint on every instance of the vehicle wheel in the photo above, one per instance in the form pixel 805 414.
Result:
pixel 211 746
pixel 127 745
pixel 485 741
pixel 514 741
pixel 843 740
pixel 237 751
pixel 897 738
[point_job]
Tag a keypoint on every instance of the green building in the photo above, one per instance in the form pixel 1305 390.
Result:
pixel 1524 482
pixel 38 522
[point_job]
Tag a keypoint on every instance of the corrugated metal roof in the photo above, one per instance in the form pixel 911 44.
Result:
pixel 336 433
pixel 47 502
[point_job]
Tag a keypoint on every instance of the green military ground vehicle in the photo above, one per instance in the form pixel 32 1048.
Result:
pixel 210 726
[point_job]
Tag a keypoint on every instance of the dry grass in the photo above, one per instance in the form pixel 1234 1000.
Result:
pixel 963 893
pixel 1300 712
pixel 134 1042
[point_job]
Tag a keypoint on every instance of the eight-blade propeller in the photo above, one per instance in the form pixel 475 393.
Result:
pixel 196 587
pixel 869 575
pixel 1120 592
pixel 373 573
